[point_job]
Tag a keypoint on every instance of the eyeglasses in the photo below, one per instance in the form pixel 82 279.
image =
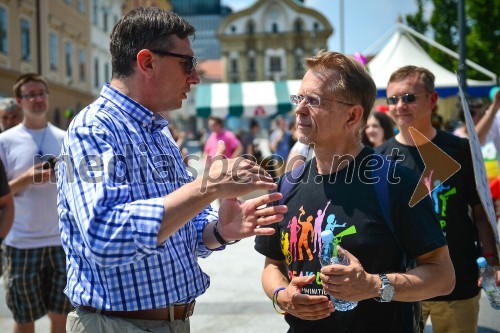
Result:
pixel 32 97
pixel 312 100
pixel 188 66
pixel 406 98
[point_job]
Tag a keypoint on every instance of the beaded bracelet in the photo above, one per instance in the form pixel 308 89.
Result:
pixel 275 299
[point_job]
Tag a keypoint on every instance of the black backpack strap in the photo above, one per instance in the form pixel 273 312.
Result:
pixel 382 190
pixel 411 309
pixel 289 180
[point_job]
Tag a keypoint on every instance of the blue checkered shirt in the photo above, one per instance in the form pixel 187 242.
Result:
pixel 117 164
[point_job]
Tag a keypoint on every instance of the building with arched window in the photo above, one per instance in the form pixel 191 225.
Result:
pixel 269 40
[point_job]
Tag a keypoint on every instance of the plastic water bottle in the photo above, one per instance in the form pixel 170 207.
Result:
pixel 489 283
pixel 329 256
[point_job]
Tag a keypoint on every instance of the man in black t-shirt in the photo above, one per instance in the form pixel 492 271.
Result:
pixel 411 99
pixel 336 192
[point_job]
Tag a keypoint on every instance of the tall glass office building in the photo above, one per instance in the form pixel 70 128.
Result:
pixel 206 16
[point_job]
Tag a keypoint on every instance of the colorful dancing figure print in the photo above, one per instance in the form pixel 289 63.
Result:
pixel 318 223
pixel 307 228
pixel 294 230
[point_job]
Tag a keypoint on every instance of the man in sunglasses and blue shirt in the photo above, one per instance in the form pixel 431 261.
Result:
pixel 133 221
pixel 411 98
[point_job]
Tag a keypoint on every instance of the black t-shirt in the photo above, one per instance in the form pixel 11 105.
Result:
pixel 4 184
pixel 346 203
pixel 452 201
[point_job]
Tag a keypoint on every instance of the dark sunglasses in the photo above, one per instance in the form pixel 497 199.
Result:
pixel 188 66
pixel 406 98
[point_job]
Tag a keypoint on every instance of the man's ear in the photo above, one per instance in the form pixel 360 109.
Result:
pixel 355 116
pixel 146 63
pixel 434 98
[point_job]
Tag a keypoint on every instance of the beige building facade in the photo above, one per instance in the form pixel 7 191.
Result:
pixel 269 40
pixel 50 37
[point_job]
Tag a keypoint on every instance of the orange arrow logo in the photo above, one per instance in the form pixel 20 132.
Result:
pixel 438 166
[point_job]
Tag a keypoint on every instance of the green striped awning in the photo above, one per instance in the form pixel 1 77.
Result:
pixel 246 99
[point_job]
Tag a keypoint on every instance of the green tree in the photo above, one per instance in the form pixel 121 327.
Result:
pixel 482 32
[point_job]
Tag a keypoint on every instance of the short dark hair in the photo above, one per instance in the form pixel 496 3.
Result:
pixel 426 77
pixel 25 78
pixel 217 120
pixel 144 28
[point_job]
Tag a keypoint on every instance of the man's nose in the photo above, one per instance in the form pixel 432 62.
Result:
pixel 194 77
pixel 301 108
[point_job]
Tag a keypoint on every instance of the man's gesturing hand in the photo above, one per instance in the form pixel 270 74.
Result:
pixel 233 177
pixel 238 219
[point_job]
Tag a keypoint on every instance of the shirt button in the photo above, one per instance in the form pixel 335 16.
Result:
pixel 144 124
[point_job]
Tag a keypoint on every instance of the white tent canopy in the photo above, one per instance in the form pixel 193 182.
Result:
pixel 403 50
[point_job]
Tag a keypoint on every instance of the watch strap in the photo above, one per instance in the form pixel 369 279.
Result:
pixel 219 238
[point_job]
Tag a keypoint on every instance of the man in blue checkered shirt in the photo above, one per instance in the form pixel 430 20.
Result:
pixel 132 219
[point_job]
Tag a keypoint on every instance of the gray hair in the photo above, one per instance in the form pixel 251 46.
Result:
pixel 9 105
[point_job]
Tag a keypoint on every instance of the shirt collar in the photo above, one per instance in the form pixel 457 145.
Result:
pixel 133 110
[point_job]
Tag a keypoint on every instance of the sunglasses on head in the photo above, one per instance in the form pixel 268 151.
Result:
pixel 406 98
pixel 187 66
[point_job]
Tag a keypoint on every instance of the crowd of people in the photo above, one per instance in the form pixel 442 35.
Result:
pixel 102 224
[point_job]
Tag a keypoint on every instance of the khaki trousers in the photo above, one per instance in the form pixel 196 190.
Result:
pixel 81 321
pixel 453 316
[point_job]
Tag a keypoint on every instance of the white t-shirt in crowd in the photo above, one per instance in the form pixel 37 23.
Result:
pixel 303 149
pixel 494 134
pixel 36 223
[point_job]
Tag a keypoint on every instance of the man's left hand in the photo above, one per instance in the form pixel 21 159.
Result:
pixel 349 282
pixel 239 220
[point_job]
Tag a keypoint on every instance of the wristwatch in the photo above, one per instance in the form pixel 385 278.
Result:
pixel 387 291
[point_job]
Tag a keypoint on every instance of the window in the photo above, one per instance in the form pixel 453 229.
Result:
pixel 234 65
pixel 81 64
pixel 105 20
pixel 25 40
pixel 316 26
pixel 81 6
pixel 106 72
pixel 53 51
pixel 298 26
pixel 251 64
pixel 275 28
pixel 250 28
pixel 95 12
pixel 298 62
pixel 68 1
pixel 68 51
pixel 4 42
pixel 275 65
pixel 96 73
pixel 233 29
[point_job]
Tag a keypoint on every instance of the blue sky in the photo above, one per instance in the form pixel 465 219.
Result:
pixel 365 21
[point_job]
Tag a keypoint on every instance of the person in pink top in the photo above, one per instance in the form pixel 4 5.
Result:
pixel 234 147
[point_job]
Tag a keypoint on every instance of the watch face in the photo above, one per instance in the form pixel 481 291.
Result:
pixel 387 293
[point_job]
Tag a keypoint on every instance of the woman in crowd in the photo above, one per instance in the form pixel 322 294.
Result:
pixel 379 128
